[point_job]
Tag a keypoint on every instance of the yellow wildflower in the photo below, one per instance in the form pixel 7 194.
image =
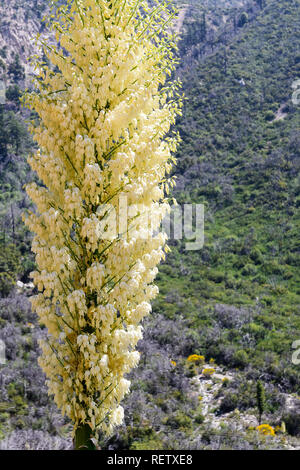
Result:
pixel 208 372
pixel 195 358
pixel 266 430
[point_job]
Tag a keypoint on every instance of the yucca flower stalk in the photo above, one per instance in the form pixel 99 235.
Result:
pixel 105 110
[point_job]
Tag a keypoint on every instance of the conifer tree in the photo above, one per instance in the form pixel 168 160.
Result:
pixel 106 107
pixel 203 27
pixel 3 136
pixel 260 399
pixel 16 70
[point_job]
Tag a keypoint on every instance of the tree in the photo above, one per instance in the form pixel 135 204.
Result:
pixel 16 70
pixel 260 399
pixel 105 109
pixel 203 28
pixel 243 19
pixel 260 3
pixel 3 52
pixel 16 131
pixel 9 267
pixel 13 93
pixel 3 136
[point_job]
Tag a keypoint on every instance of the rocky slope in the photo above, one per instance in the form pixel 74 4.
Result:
pixel 20 22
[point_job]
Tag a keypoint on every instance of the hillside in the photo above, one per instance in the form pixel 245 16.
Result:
pixel 241 159
pixel 19 24
pixel 236 301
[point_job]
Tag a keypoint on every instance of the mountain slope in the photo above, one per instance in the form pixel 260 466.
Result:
pixel 243 163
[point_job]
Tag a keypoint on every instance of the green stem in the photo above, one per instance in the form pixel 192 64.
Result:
pixel 83 435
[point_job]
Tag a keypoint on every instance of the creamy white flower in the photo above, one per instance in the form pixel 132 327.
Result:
pixel 102 133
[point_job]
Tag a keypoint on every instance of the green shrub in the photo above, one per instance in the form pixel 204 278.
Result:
pixel 229 403
pixel 256 256
pixel 179 420
pixel 249 270
pixel 292 422
pixel 243 19
pixel 7 284
pixel 240 359
pixel 269 116
pixel 153 444
pixel 199 418
pixel 216 276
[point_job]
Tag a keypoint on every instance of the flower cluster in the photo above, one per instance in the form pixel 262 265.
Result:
pixel 105 109
pixel 266 430
pixel 196 358
pixel 208 372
